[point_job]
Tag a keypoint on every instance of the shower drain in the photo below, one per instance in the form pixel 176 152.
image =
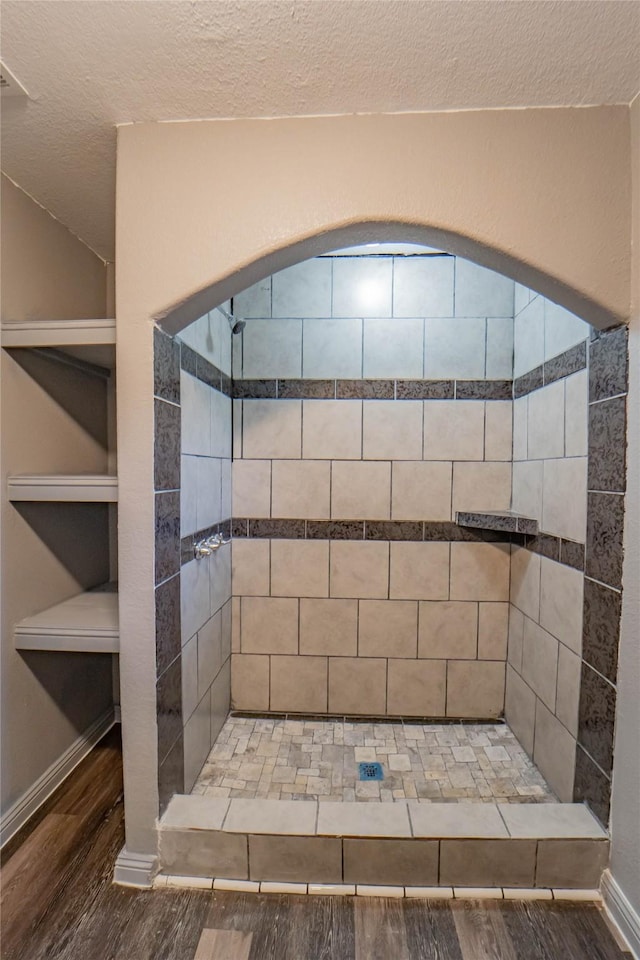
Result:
pixel 370 771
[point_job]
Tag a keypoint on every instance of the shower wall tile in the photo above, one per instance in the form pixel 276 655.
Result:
pixel 299 684
pixel 605 538
pixel 166 367
pixel 554 753
pixel 359 570
pixel 561 593
pixel 362 287
pixel 195 401
pixel 545 427
pixel 592 786
pixel 481 292
pixel 522 296
pixel 527 488
pixel 515 641
pixel 597 718
pixel 528 331
pixel 576 415
pixel 271 430
pixel 562 330
pixel 453 430
pixel 251 488
pixel 498 430
pixel 568 690
pixel 169 701
pixel 272 348
pixel 269 625
pixel 448 630
pixel 253 302
pixel 332 348
pixel 607 445
pixel 608 365
pixel 493 628
pixel 209 653
pixel 329 627
pixel 601 631
pixel 525 582
pixel 499 349
pixel 455 348
pixel 358 490
pixel 166 445
pixel 481 486
pixel 419 571
pixel 540 662
pixel 167 535
pixel 197 740
pixel 168 637
pixel 300 488
pixel 208 492
pixel 421 490
pixel 188 495
pixel 564 497
pixel 194 594
pixel 300 568
pixel 520 708
pixel 475 688
pixel 171 774
pixel 189 677
pixel 387 628
pixel 249 682
pixel 416 689
pixel 479 571
pixel 392 431
pixel 303 290
pixel 393 348
pixel 423 286
pixel 332 430
pixel 357 685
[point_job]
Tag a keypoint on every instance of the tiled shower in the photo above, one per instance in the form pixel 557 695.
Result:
pixel 374 397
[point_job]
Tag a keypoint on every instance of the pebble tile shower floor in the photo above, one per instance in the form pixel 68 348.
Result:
pixel 299 758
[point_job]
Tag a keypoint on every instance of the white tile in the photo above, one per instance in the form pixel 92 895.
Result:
pixel 188 495
pixel 195 419
pixel 359 569
pixel 454 348
pixel 525 582
pixel 272 429
pixel 428 893
pixel 520 417
pixel 255 301
pixel 194 596
pixel 521 893
pixel 272 348
pixel 360 490
pixel 479 571
pixel 332 430
pixel 236 886
pixel 481 292
pixel 561 595
pixel 371 890
pixel 362 286
pixel 528 338
pixel 499 364
pixel 561 329
pixel 453 430
pixel 576 415
pixel 481 486
pixel 421 490
pixel 332 349
pixel 545 427
pixel 251 488
pixel 300 488
pixel 392 430
pixel 526 493
pixel 300 568
pixel 237 428
pixel 190 883
pixel 303 290
pixel 419 571
pixel 250 567
pixel 423 286
pixel 209 491
pixel 189 677
pixel 332 889
pixel 203 336
pixel 477 893
pixel 540 662
pixel 393 348
pixel 521 297
pixel 564 498
pixel 221 438
pixel 583 896
pixel 498 430
pixel 269 886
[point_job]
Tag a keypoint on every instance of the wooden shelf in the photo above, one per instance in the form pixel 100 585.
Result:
pixel 90 341
pixel 504 521
pixel 87 623
pixel 89 488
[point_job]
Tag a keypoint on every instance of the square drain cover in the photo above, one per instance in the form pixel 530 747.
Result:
pixel 371 771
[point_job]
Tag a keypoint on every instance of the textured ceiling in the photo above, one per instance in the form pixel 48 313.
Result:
pixel 91 65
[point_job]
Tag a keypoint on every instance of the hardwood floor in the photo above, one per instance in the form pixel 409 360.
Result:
pixel 58 903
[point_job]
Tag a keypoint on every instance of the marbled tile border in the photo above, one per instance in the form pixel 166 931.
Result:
pixel 564 365
pixel 507 522
pixel 372 389
pixel 569 552
pixel 187 544
pixel 192 363
pixel 404 530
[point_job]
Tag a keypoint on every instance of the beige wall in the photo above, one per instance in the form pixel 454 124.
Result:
pixel 625 811
pixel 220 204
pixel 47 273
pixel 53 421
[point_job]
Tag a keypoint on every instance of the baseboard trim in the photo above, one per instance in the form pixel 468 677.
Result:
pixel 135 869
pixel 623 914
pixel 24 808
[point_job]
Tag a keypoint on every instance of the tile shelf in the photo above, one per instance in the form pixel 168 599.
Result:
pixel 504 521
pixel 87 488
pixel 86 623
pixel 91 341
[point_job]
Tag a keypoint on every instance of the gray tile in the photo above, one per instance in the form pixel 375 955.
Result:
pixel 605 522
pixel 365 389
pixel 203 853
pixel 608 364
pixel 168 639
pixel 601 628
pixel 356 819
pixel 167 535
pixel 607 445
pixel 195 813
pixel 487 863
pixel 303 859
pixel 396 862
pixel 271 816
pixel 569 864
pixel 592 787
pixel 166 367
pixel 541 821
pixel 596 717
pixel 452 820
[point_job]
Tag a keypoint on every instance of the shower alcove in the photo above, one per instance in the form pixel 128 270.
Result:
pixel 381 488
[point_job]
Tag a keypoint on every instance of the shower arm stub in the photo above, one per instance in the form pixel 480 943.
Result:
pixel 204 548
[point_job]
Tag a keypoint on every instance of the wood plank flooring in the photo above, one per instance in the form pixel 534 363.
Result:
pixel 58 903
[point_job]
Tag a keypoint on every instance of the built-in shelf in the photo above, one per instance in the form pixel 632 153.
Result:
pixel 87 623
pixel 89 488
pixel 90 341
pixel 504 521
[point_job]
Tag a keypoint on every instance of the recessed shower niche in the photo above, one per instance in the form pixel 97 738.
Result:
pixel 406 450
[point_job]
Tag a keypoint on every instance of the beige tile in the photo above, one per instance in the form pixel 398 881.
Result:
pixel 332 430
pixel 387 628
pixel 520 709
pixel 237 427
pixel 448 629
pixel 359 569
pixel 363 820
pixel 456 820
pixel 475 688
pixel 568 689
pixel 561 596
pixel 189 670
pixel 235 624
pixel 300 488
pixel 392 430
pixel 332 348
pixel 515 641
pixel 360 490
pixel 296 859
pixel 419 571
pixel 357 685
pixel 299 684
pixel 493 628
pixel 498 439
pixel 329 627
pixel 499 348
pixel 272 348
pixel 554 753
pixel 269 625
pixel 564 498
pixel 520 415
pixel 540 662
pixel 421 490
pixel 393 347
pixel 454 348
pixel 545 428
pixel 480 571
pixel 271 429
pixel 576 415
pixel 377 890
pixel 332 889
pixel 269 887
pixel 551 820
pixel 525 581
pixel 488 863
pixel 195 813
pixel 526 496
pixel 236 886
pixel 271 816
pixel 416 688
pixel 528 344
pixel 299 568
pixel 397 862
pixel 481 486
pixel 571 863
pixel 428 893
pixel 203 853
pixel 249 682
pixel 250 567
pixel 453 430
pixel 209 653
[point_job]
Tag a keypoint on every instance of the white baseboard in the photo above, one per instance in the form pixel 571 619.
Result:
pixel 623 914
pixel 18 814
pixel 135 869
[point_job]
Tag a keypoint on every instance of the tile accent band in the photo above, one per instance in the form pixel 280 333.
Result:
pixel 372 389
pixel 191 362
pixel 564 365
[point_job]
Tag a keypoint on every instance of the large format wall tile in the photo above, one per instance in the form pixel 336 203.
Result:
pixel 453 430
pixel 271 430
pixel 481 486
pixel 561 590
pixel 448 630
pixel 300 488
pixel 359 490
pixel 416 689
pixel 475 688
pixel 272 348
pixel 300 568
pixel 423 286
pixel 329 627
pixel 562 329
pixel 454 349
pixel 481 292
pixel 421 490
pixel 332 430
pixel 332 348
pixel 303 290
pixel 387 628
pixel 167 534
pixel 391 430
pixel 564 497
pixel 357 685
pixel 269 625
pixel 419 571
pixel 554 753
pixel 393 348
pixel 592 786
pixel 479 571
pixel 359 570
pixel 299 684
